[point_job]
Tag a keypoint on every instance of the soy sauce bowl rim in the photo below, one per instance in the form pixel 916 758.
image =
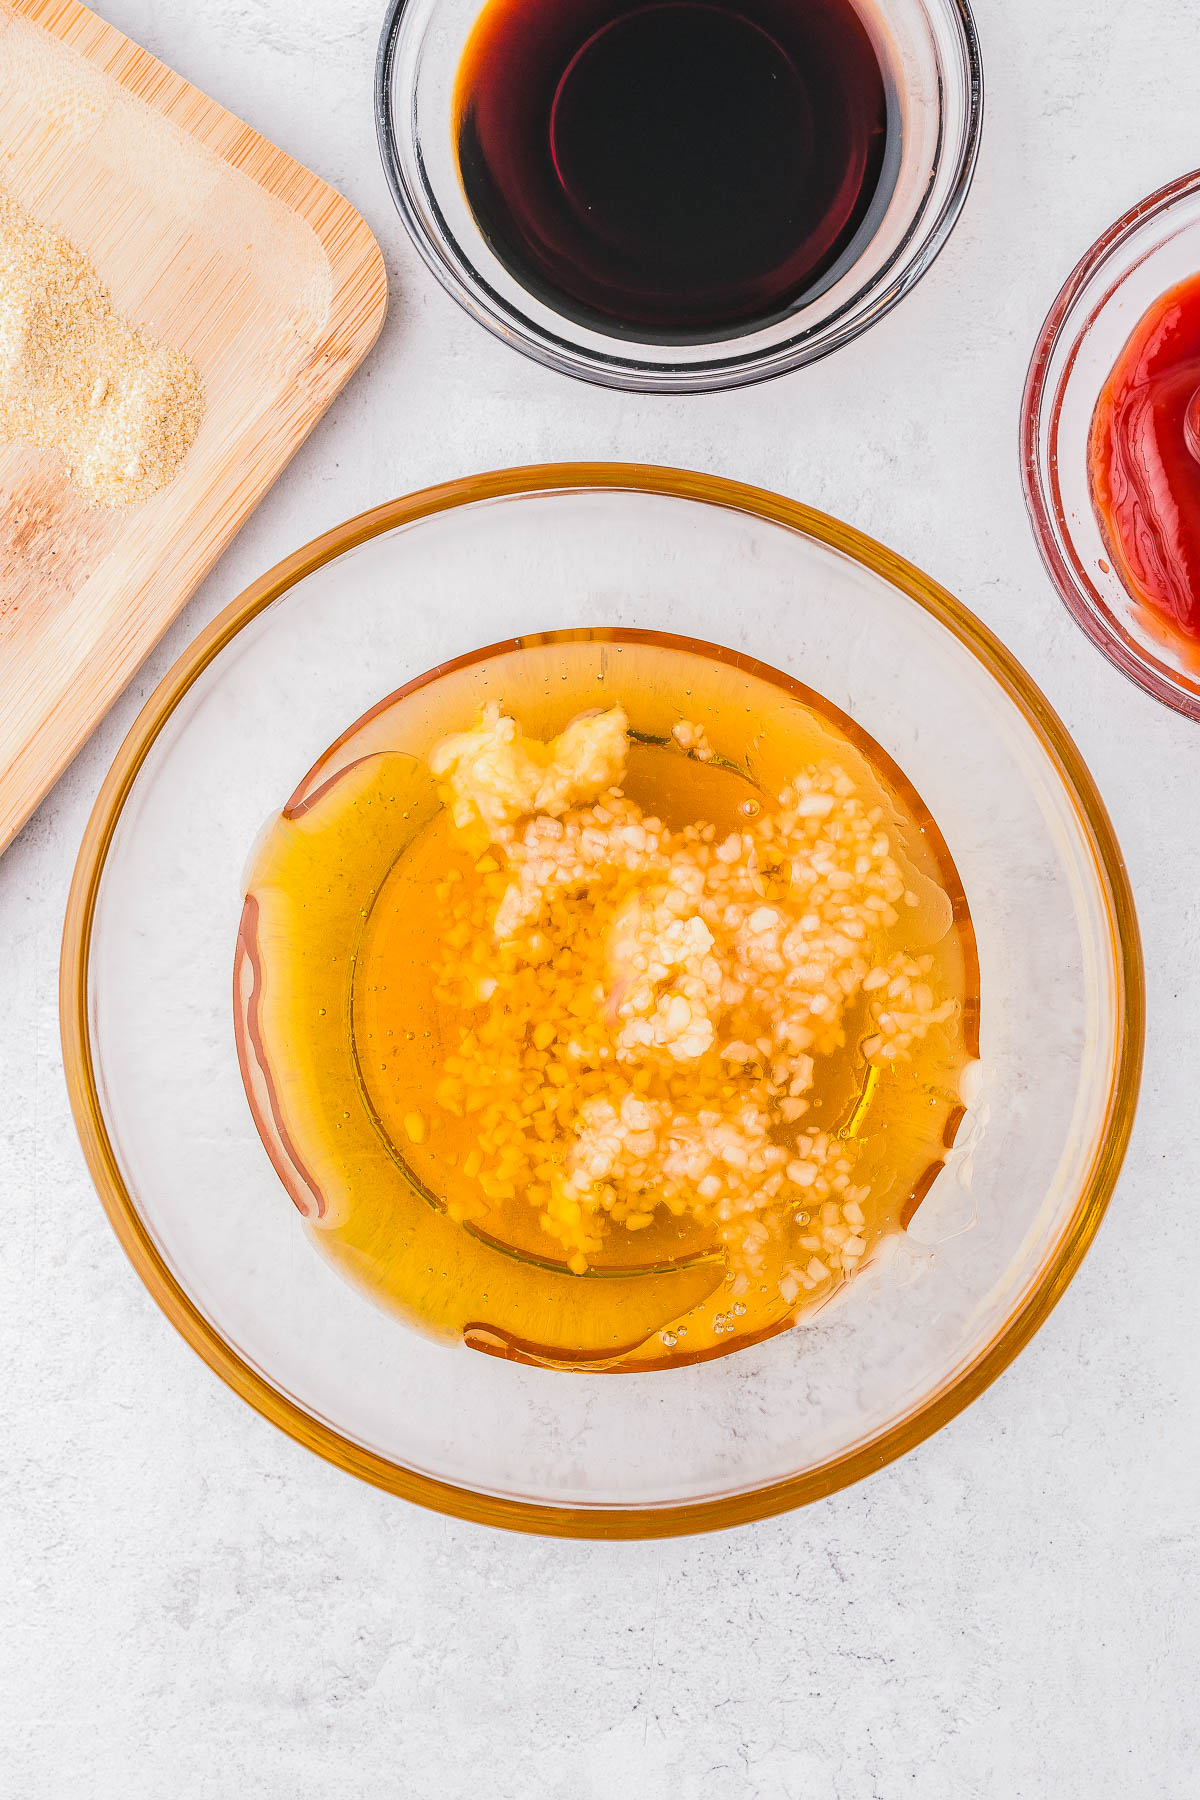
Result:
pixel 430 233
pixel 1041 406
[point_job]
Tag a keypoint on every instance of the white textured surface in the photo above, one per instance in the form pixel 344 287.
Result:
pixel 192 1606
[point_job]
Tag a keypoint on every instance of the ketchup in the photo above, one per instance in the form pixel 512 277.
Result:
pixel 1144 466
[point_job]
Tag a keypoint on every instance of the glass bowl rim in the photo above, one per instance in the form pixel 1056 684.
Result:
pixel 1078 594
pixel 584 363
pixel 935 1409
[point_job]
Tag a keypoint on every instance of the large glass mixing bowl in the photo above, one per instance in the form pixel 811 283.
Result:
pixel 148 1026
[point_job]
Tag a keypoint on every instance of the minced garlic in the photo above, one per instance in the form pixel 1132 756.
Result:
pixel 493 775
pixel 643 1010
pixel 692 738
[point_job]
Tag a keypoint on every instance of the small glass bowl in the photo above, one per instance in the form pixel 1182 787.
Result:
pixel 612 556
pixel 929 51
pixel 1152 247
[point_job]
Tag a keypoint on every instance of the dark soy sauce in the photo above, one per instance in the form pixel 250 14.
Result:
pixel 674 170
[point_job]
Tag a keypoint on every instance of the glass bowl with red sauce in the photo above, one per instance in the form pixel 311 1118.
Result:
pixel 678 195
pixel 1111 482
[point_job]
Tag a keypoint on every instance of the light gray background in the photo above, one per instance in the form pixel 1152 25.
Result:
pixel 193 1607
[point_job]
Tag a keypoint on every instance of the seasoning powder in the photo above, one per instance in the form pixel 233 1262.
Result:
pixel 77 378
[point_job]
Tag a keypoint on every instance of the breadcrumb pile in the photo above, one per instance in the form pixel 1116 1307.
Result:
pixel 643 1011
pixel 77 378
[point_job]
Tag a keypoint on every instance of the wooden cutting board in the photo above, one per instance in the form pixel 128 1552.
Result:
pixel 213 241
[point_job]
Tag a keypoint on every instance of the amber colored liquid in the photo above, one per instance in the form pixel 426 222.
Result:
pixel 676 170
pixel 342 1037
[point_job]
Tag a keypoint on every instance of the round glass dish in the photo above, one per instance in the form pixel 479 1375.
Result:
pixel 930 54
pixel 1155 245
pixel 147 1010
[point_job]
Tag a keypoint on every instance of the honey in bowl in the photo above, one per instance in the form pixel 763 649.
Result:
pixel 603 1001
pixel 677 170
